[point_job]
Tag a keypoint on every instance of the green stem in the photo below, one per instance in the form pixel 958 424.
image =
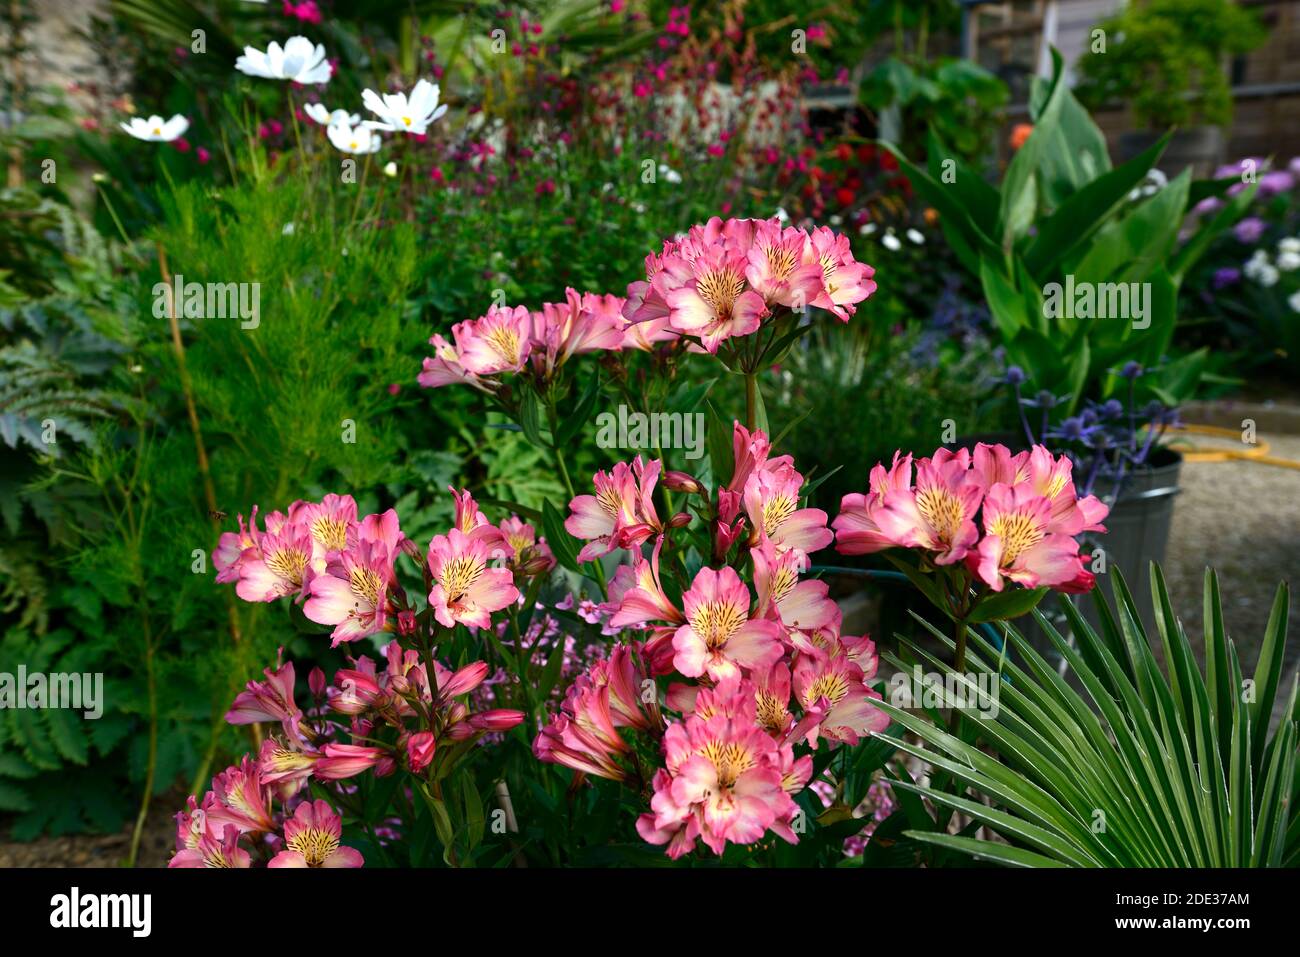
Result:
pixel 751 400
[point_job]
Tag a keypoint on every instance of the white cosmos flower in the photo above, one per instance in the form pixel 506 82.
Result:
pixel 326 117
pixel 299 60
pixel 156 129
pixel 399 113
pixel 353 139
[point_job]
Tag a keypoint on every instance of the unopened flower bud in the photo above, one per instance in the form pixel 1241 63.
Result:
pixel 682 482
pixel 316 682
pixel 406 623
pixel 419 750
pixel 680 520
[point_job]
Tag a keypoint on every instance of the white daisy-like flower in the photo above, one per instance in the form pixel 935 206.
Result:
pixel 1289 245
pixel 353 139
pixel 390 168
pixel 326 117
pixel 781 215
pixel 669 174
pixel 1293 301
pixel 155 129
pixel 399 113
pixel 915 236
pixel 890 242
pixel 298 60
pixel 866 229
pixel 1288 262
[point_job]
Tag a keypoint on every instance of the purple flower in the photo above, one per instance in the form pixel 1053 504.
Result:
pixel 1210 204
pixel 1249 230
pixel 1226 276
pixel 1278 181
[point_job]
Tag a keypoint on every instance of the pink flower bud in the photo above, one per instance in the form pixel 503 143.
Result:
pixel 419 750
pixel 682 482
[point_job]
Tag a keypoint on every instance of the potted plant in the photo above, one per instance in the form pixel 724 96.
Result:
pixel 1167 59
pixel 1081 266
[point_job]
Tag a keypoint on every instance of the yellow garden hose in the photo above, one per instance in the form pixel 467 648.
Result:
pixel 1250 453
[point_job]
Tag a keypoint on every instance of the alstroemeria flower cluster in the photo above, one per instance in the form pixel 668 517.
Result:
pixel 758 669
pixel 724 278
pixel 720 281
pixel 343 568
pixel 1005 518
pixel 407 718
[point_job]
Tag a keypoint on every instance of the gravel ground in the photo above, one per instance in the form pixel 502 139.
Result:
pixel 98 850
pixel 1242 519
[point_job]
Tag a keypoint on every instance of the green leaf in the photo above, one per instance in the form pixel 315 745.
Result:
pixel 558 537
pixel 1008 604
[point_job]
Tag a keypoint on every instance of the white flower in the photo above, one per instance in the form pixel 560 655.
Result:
pixel 781 215
pixel 351 139
pixel 1289 245
pixel 1288 262
pixel 891 242
pixel 299 60
pixel 390 169
pixel 399 113
pixel 288 230
pixel 326 117
pixel 866 229
pixel 670 174
pixel 836 219
pixel 915 236
pixel 156 129
pixel 1293 301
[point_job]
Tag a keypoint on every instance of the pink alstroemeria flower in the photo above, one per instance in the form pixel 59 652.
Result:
pixel 772 504
pixel 499 341
pixel 803 605
pixel 214 849
pixel 777 270
pixel 637 597
pixel 353 595
pixel 719 638
pixel 242 799
pixel 833 685
pixel 1018 543
pixel 467 590
pixel 716 303
pixel 938 513
pixel 311 839
pixel 846 281
pixel 857 531
pixel 269 700
pixel 622 512
pixel 444 366
pixel 283 568
pixel 328 521
pixel 234 549
pixel 339 761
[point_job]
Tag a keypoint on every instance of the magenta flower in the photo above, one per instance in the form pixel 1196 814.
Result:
pixel 312 839
pixel 466 590
pixel 1018 542
pixel 772 504
pixel 719 638
pixel 621 514
pixel 937 515
pixel 856 529
pixel 715 303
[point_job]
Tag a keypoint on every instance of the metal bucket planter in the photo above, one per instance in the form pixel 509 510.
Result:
pixel 1137 531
